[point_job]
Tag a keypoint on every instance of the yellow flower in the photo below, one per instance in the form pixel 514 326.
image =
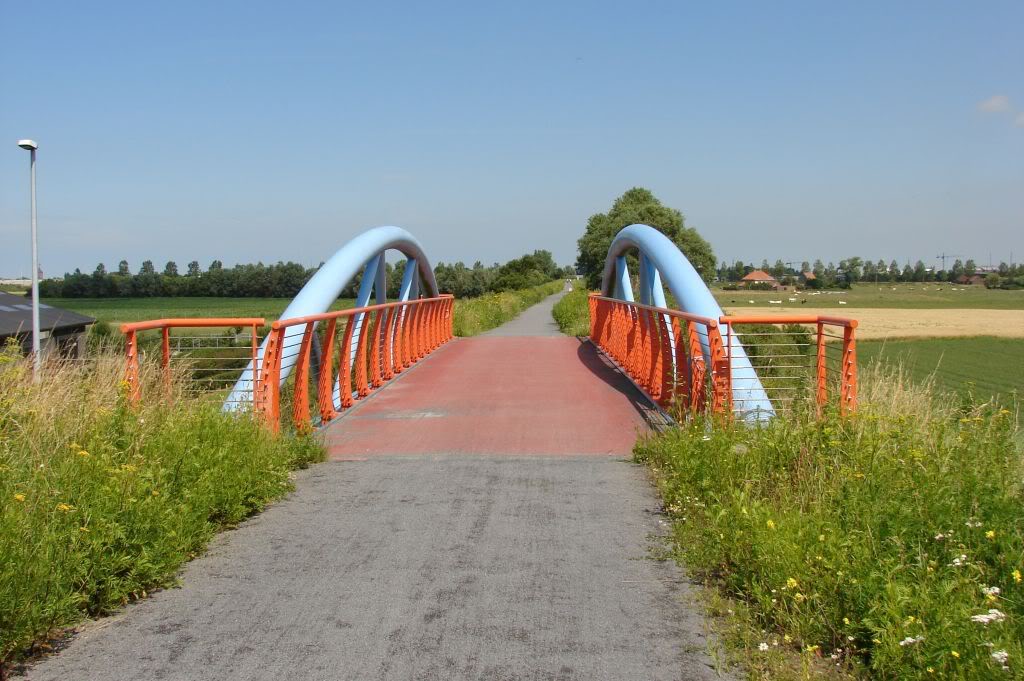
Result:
pixel 19 497
pixel 156 493
pixel 931 670
pixel 1016 576
pixel 911 619
pixel 954 653
pixel 799 597
pixel 83 453
pixel 810 649
pixel 64 508
pixel 786 638
pixel 821 537
pixel 74 446
pixel 83 529
pixel 791 583
pixel 771 524
pixel 846 620
pixel 991 534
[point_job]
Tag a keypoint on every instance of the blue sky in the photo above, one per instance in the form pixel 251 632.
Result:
pixel 250 131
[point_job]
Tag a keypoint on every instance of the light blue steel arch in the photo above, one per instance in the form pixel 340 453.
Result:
pixel 661 260
pixel 366 250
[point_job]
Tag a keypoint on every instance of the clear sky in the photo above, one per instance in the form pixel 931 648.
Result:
pixel 270 131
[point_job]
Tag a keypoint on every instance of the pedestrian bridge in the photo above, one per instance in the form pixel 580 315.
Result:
pixel 662 352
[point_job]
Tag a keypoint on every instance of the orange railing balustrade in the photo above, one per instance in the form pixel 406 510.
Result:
pixel 685 362
pixel 661 351
pixel 372 345
pixel 209 357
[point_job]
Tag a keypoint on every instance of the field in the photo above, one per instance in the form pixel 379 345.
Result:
pixel 902 296
pixel 994 366
pixel 117 310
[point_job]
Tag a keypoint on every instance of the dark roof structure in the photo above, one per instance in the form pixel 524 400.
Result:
pixel 16 316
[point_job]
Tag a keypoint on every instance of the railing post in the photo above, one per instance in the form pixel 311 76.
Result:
pixel 389 344
pixel 324 393
pixel 254 349
pixel 720 379
pixel 300 401
pixel 269 390
pixel 376 377
pixel 848 387
pixel 821 377
pixel 165 356
pixel 131 374
pixel 362 388
pixel 345 366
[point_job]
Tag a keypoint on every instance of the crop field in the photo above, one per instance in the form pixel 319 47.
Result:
pixel 901 296
pixel 989 366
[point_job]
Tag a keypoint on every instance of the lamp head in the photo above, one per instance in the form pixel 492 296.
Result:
pixel 28 144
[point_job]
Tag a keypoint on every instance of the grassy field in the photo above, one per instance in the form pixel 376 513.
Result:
pixel 906 296
pixel 988 366
pixel 117 310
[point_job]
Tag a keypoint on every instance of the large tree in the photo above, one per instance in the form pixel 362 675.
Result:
pixel 639 205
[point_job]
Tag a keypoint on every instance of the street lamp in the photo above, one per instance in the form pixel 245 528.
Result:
pixel 37 359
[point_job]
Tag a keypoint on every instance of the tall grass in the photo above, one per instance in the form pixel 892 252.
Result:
pixel 890 543
pixel 572 312
pixel 476 315
pixel 101 500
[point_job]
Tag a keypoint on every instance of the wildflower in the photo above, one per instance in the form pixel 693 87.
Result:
pixel 846 621
pixel 83 529
pixel 821 537
pixel 1001 656
pixel 911 619
pixel 993 615
pixel 799 597
pixel 991 534
pixel 763 647
pixel 19 497
pixel 990 592
pixel 771 524
pixel 82 453
pixel 156 493
pixel 791 583
pixel 940 537
pixel 959 561
pixel 973 523
pixel 1016 576
pixel 786 638
pixel 810 649
pixel 64 508
pixel 954 654
pixel 74 446
pixel 911 640
pixel 931 670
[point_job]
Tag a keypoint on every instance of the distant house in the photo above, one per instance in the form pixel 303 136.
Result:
pixel 60 331
pixel 759 277
pixel 807 276
pixel 973 280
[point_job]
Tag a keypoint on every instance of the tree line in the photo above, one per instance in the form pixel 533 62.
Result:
pixel 285 279
pixel 854 270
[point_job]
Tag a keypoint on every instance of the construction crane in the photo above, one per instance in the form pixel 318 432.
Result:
pixel 944 256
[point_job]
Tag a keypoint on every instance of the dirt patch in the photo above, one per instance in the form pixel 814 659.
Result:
pixel 894 323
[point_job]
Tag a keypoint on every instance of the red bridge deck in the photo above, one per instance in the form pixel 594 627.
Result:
pixel 498 395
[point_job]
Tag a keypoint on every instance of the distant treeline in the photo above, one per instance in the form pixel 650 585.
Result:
pixel 284 280
pixel 854 270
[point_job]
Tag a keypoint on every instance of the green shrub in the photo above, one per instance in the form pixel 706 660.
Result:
pixel 476 315
pixel 101 501
pixel 572 312
pixel 874 539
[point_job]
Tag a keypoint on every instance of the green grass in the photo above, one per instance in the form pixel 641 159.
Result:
pixel 872 538
pixel 119 310
pixel 572 312
pixel 101 501
pixel 906 296
pixel 476 315
pixel 989 367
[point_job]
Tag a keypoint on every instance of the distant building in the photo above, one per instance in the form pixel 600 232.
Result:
pixel 808 276
pixel 759 277
pixel 973 280
pixel 60 331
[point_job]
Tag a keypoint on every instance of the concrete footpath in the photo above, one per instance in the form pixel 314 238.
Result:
pixel 509 555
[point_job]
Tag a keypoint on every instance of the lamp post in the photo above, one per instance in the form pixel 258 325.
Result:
pixel 37 358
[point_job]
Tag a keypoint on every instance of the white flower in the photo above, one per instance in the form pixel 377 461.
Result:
pixel 911 640
pixel 992 616
pixel 990 590
pixel 1001 656
pixel 940 537
pixel 763 647
pixel 959 560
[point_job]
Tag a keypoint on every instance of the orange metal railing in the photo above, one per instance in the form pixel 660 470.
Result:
pixel 372 345
pixel 685 363
pixel 209 357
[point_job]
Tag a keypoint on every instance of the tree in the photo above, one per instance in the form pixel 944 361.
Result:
pixel 778 269
pixel 147 268
pixel 171 269
pixel 122 269
pixel 193 269
pixel 639 205
pixel 970 269
pixel 894 271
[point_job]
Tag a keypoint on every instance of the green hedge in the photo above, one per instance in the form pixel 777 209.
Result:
pixel 476 315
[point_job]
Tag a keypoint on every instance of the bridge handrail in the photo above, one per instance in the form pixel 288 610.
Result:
pixel 403 332
pixel 708 321
pixel 132 329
